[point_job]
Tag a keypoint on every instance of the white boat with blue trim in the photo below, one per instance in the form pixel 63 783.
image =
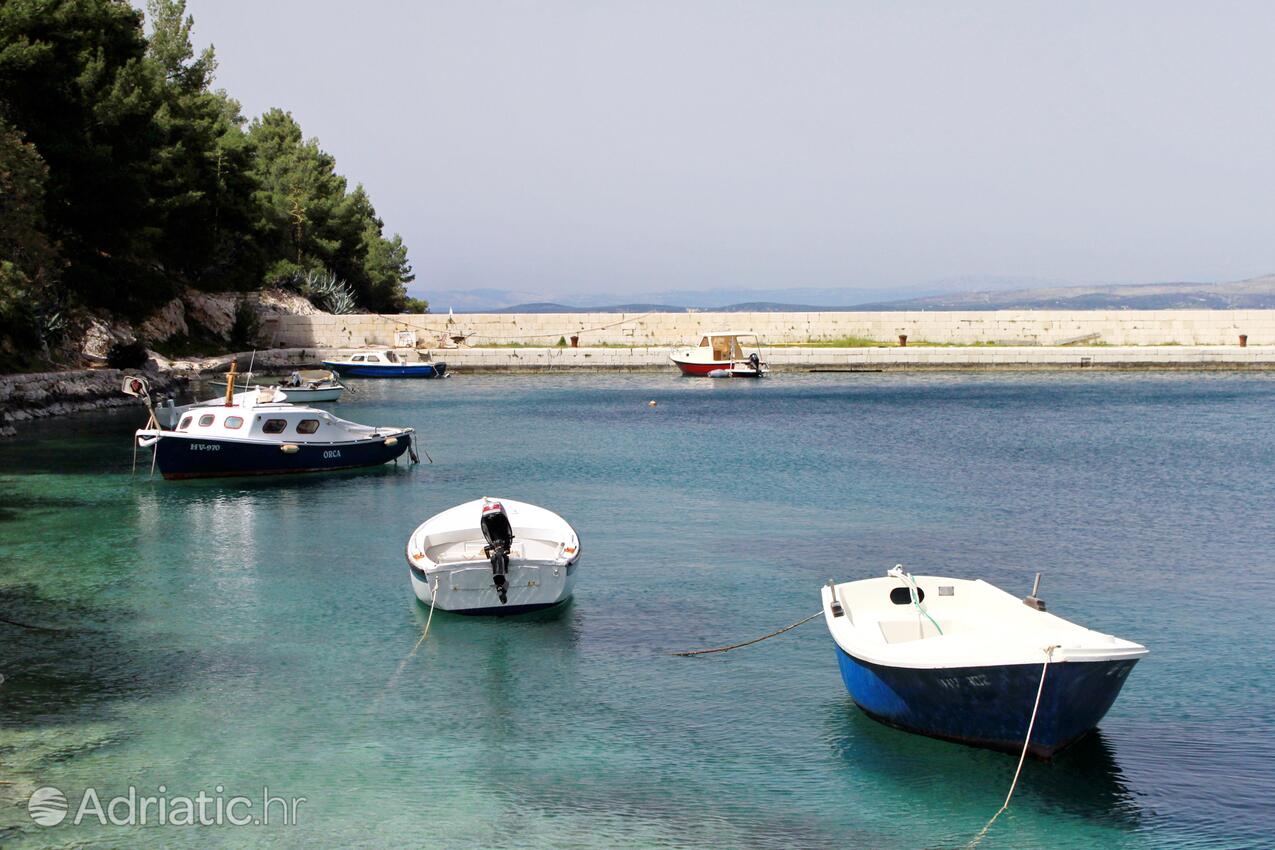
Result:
pixel 962 660
pixel 493 556
pixel 260 433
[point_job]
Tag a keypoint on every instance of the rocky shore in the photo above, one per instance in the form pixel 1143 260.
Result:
pixel 42 394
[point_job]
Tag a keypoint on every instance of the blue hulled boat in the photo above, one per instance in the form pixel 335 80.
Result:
pixel 386 364
pixel 259 433
pixel 963 660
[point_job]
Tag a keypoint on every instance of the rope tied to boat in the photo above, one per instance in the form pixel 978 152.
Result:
pixel 1031 724
pixel 914 593
pixel 691 652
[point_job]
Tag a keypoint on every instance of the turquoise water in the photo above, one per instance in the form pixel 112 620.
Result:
pixel 259 633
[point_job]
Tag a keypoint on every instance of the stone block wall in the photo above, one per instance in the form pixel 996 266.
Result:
pixel 1005 327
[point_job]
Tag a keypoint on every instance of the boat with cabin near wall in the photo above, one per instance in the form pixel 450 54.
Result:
pixel 386 363
pixel 722 354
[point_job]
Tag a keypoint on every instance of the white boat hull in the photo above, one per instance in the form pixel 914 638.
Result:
pixel 469 589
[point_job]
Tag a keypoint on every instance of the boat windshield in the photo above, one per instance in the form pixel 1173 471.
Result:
pixel 391 356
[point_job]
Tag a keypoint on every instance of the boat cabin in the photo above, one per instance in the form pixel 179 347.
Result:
pixel 263 414
pixel 729 346
pixel 376 357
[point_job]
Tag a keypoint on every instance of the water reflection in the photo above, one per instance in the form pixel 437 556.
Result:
pixel 1085 780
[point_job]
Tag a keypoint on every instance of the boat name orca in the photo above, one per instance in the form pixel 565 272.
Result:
pixel 331 453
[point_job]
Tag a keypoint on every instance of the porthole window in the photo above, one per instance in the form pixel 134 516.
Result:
pixel 233 422
pixel 274 426
pixel 185 423
pixel 903 595
pixel 206 420
pixel 307 426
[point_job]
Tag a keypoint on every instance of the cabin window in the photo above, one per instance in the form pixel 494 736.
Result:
pixel 233 422
pixel 307 426
pixel 274 426
pixel 206 420
pixel 721 347
pixel 391 356
pixel 903 595
pixel 703 343
pixel 372 358
pixel 185 423
pixel 358 358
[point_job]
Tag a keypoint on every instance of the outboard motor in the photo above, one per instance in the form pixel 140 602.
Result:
pixel 500 537
pixel 755 361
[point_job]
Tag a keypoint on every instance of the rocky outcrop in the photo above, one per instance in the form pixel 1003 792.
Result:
pixel 99 335
pixel 42 394
pixel 167 322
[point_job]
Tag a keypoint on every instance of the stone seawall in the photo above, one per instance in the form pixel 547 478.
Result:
pixel 1003 327
pixel 872 359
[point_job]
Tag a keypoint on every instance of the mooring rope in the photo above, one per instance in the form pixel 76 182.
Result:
pixel 29 626
pixel 1044 668
pixel 394 679
pixel 748 642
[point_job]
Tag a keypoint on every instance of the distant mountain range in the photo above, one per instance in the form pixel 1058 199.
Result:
pixel 1256 293
pixel 995 294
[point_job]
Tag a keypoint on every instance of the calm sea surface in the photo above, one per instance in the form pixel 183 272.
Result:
pixel 258 633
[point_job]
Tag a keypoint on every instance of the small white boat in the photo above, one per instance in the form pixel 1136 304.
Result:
pixel 493 556
pixel 962 660
pixel 303 387
pixel 722 354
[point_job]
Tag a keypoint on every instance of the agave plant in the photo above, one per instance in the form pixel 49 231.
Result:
pixel 325 290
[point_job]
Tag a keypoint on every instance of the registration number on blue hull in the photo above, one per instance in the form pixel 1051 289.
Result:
pixel 205 447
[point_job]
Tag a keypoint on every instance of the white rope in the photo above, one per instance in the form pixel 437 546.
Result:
pixel 394 679
pixel 1049 654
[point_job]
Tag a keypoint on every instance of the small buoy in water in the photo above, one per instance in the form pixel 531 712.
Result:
pixel 651 403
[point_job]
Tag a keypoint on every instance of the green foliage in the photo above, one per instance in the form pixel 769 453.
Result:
pixel 124 176
pixel 414 305
pixel 562 342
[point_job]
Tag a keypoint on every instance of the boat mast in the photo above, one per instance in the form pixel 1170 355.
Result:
pixel 230 383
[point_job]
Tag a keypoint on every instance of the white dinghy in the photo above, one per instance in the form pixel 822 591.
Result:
pixel 493 556
pixel 962 660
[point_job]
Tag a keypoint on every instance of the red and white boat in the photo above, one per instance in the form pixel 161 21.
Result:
pixel 722 354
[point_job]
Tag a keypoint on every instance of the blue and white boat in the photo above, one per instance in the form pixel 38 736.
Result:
pixel 962 660
pixel 386 364
pixel 260 433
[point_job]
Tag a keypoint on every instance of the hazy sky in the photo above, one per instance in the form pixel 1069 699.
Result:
pixel 631 146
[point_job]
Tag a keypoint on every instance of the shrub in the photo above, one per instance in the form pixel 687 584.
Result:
pixel 127 355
